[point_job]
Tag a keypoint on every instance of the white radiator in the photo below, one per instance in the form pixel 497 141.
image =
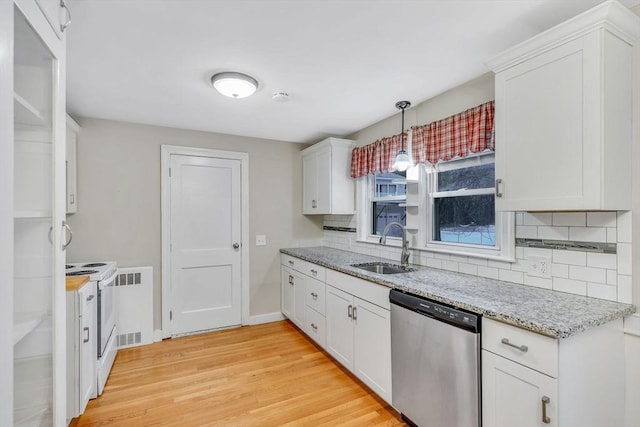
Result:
pixel 134 296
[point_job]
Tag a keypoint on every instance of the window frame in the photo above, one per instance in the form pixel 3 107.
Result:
pixel 422 238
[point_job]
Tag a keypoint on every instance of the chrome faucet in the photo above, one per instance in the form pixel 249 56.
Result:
pixel 404 258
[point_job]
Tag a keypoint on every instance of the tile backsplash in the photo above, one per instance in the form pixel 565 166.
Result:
pixel 599 275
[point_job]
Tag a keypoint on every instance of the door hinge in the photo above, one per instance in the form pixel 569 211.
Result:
pixel 170 314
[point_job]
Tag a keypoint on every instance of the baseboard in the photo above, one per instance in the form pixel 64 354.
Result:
pixel 157 335
pixel 266 318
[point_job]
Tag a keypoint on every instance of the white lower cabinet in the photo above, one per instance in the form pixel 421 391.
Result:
pixel 81 348
pixel 530 380
pixel 292 295
pixel 359 332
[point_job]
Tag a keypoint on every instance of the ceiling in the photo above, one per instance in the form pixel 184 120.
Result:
pixel 344 63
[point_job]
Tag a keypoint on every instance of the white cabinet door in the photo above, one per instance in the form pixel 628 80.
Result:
pixel 372 342
pixel 71 166
pixel 88 350
pixel 323 179
pixel 514 395
pixel 298 299
pixel 309 184
pixel 340 326
pixel 286 292
pixel 57 14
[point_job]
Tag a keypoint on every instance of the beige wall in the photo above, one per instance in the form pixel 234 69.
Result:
pixel 119 201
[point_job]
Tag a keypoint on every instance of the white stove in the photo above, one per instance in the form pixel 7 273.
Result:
pixel 95 270
pixel 104 273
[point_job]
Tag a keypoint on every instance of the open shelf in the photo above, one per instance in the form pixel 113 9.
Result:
pixel 25 322
pixel 26 113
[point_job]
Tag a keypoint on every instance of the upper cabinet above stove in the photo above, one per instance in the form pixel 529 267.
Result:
pixel 564 115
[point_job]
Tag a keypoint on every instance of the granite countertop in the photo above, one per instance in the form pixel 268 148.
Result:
pixel 552 313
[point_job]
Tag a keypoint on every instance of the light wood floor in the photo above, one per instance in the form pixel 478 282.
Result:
pixel 264 375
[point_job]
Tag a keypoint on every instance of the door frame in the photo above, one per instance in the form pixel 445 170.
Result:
pixel 166 151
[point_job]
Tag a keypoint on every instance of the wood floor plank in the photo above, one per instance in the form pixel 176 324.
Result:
pixel 263 375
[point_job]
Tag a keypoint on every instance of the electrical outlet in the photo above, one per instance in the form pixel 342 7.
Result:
pixel 539 266
pixel 261 240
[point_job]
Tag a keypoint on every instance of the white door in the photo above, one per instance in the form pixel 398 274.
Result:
pixel 205 222
pixel 340 326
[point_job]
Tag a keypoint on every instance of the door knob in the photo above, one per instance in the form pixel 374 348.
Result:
pixel 236 245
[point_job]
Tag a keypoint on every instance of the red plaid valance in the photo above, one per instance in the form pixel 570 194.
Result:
pixel 456 136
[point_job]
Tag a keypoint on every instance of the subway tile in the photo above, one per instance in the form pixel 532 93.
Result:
pixel 612 235
pixel 601 219
pixel 538 282
pixel 511 276
pixel 601 260
pixel 478 261
pixel 588 234
pixel 468 269
pixel 624 227
pixel 537 218
pixel 519 218
pixel 490 272
pixel 612 277
pixel 499 264
pixel 560 270
pixel 575 219
pixel 449 265
pixel 434 263
pixel 553 233
pixel 577 287
pixel 624 258
pixel 459 258
pixel 587 274
pixel 625 289
pixel 520 265
pixel 569 257
pixel 446 257
pixel 598 290
pixel 526 232
pixel 540 252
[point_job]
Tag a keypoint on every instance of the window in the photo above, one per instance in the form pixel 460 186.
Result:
pixel 460 209
pixel 453 210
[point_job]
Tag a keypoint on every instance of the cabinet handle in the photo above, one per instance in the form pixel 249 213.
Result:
pixel 355 313
pixel 90 297
pixel 314 204
pixel 314 295
pixel 350 311
pixel 315 328
pixel 314 272
pixel 498 183
pixel 291 262
pixel 290 279
pixel 72 199
pixel 545 402
pixel 67 22
pixel 86 331
pixel 522 348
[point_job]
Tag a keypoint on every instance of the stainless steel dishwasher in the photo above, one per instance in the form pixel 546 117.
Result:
pixel 435 359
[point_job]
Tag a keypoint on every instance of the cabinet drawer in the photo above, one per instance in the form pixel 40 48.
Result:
pixel 541 353
pixel 315 326
pixel 293 262
pixel 315 271
pixel 315 295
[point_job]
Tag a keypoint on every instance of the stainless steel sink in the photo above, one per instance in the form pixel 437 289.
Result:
pixel 383 268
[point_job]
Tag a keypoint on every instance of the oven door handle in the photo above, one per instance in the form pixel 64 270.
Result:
pixel 110 281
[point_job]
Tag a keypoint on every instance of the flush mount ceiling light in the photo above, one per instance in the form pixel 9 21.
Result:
pixel 403 161
pixel 234 85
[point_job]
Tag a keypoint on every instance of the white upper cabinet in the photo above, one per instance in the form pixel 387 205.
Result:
pixel 564 115
pixel 72 166
pixel 327 186
pixel 57 14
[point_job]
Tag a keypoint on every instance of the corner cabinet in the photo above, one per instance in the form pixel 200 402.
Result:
pixel 32 182
pixel 564 115
pixel 327 186
pixel 530 380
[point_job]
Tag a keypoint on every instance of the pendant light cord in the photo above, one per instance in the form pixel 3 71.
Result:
pixel 402 105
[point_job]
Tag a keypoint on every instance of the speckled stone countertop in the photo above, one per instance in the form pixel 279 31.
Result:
pixel 552 313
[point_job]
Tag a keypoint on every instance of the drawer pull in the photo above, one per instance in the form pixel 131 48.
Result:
pixel 290 279
pixel 90 297
pixel 291 262
pixel 545 402
pixel 314 272
pixel 350 311
pixel 86 330
pixel 522 348
pixel 313 325
pixel 314 295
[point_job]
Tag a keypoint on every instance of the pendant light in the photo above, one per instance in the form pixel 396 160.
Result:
pixel 403 161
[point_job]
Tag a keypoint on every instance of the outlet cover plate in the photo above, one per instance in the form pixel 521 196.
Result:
pixel 539 266
pixel 261 240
